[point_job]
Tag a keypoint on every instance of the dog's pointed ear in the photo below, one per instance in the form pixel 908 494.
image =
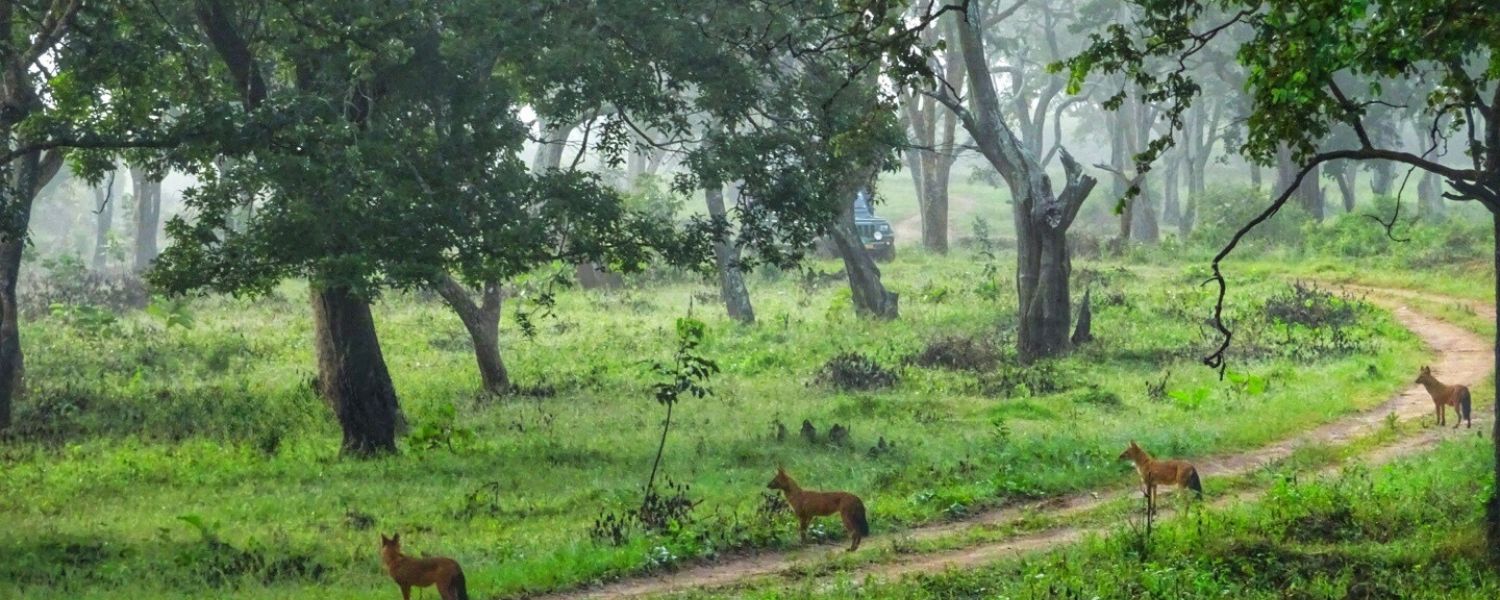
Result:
pixel 395 538
pixel 384 540
pixel 781 470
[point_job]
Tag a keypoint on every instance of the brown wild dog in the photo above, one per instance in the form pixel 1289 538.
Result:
pixel 1444 396
pixel 808 504
pixel 1156 472
pixel 422 572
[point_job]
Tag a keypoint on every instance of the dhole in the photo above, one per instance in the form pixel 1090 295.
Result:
pixel 1155 472
pixel 422 572
pixel 1444 396
pixel 808 504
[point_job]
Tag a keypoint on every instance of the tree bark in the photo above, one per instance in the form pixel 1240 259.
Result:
pixel 1430 197
pixel 727 257
pixel 352 375
pixel 1171 200
pixel 1345 179
pixel 1308 195
pixel 871 299
pixel 147 192
pixel 549 150
pixel 28 174
pixel 1492 514
pixel 1189 216
pixel 482 321
pixel 1255 176
pixel 104 217
pixel 1043 268
pixel 1381 177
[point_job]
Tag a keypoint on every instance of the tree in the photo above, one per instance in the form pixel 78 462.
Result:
pixel 1318 65
pixel 934 147
pixel 378 154
pixel 146 190
pixel 1042 217
pixel 50 110
pixel 106 195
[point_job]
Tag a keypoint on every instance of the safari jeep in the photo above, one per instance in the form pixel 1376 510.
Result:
pixel 874 232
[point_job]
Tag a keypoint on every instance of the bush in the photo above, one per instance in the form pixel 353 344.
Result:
pixel 65 281
pixel 958 353
pixel 855 371
pixel 1224 210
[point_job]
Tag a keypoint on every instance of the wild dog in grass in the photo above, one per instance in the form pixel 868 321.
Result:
pixel 1444 396
pixel 422 572
pixel 807 504
pixel 1156 472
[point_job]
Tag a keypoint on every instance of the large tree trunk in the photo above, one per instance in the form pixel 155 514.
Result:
pixel 1255 176
pixel 1171 200
pixel 147 192
pixel 1143 224
pixel 1308 195
pixel 1189 215
pixel 28 173
pixel 727 257
pixel 871 299
pixel 11 360
pixel 1492 514
pixel 1430 197
pixel 549 150
pixel 935 207
pixel 1345 178
pixel 910 153
pixel 1043 269
pixel 1381 177
pixel 104 217
pixel 483 324
pixel 352 375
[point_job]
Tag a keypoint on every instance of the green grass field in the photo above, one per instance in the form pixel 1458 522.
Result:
pixel 181 452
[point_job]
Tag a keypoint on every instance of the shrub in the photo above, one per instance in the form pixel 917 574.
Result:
pixel 66 281
pixel 958 353
pixel 855 371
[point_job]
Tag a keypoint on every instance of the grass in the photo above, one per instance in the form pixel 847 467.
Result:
pixel 135 431
pixel 1405 530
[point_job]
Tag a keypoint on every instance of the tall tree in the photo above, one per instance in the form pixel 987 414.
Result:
pixel 1042 217
pixel 46 115
pixel 379 154
pixel 106 195
pixel 935 148
pixel 146 190
pixel 1319 65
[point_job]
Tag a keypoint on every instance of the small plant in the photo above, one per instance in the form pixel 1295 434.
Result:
pixel 88 320
pixel 483 500
pixel 934 294
pixel 686 375
pixel 440 431
pixel 1156 390
pixel 1248 384
pixel 173 312
pixel 1190 399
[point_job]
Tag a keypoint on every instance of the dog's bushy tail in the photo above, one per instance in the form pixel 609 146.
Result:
pixel 1465 405
pixel 856 516
pixel 1193 483
pixel 460 586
